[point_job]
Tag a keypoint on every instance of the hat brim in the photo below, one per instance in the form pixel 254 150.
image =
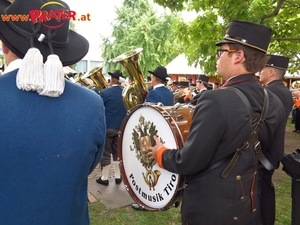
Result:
pixel 156 75
pixel 225 42
pixel 276 67
pixel 114 76
pixel 76 48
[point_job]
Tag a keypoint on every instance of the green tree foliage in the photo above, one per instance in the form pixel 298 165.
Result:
pixel 209 26
pixel 138 25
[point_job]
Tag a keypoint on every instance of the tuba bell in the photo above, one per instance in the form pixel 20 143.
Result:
pixel 135 93
pixel 98 80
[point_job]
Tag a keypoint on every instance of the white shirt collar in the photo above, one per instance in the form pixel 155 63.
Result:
pixel 158 85
pixel 13 66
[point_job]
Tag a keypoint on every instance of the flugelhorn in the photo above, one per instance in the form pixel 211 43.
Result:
pixel 135 93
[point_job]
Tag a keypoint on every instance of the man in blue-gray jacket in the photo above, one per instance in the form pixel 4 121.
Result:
pixel 160 93
pixel 115 112
pixel 52 131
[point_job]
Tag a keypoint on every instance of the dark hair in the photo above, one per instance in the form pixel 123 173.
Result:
pixel 115 80
pixel 161 80
pixel 255 59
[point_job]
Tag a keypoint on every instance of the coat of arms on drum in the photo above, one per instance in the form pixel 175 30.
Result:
pixel 142 137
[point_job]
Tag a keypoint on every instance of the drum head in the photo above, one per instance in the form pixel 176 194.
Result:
pixel 149 185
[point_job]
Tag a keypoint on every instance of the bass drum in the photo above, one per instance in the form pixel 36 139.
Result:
pixel 152 187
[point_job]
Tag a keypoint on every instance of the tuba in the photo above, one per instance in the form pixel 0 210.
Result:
pixel 135 93
pixel 96 76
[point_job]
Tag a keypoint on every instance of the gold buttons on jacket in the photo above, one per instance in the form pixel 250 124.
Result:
pixel 242 198
pixel 238 177
pixel 235 218
pixel 253 210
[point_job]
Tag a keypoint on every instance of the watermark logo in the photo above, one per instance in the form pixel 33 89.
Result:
pixel 60 15
pixel 53 18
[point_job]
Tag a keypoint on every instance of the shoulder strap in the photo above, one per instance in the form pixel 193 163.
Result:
pixel 256 125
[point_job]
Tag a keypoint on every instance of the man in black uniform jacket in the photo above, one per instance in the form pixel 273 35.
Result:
pixel 202 85
pixel 271 77
pixel 221 126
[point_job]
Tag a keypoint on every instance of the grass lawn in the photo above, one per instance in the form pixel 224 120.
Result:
pixel 127 216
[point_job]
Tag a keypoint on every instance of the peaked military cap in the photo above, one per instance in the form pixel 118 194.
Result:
pixel 203 78
pixel 183 84
pixel 249 34
pixel 278 62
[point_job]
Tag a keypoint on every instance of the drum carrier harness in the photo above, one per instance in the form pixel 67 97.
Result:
pixel 256 123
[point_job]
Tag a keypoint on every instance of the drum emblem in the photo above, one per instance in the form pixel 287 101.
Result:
pixel 142 136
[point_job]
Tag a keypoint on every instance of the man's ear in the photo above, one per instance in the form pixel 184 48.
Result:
pixel 271 72
pixel 5 49
pixel 239 56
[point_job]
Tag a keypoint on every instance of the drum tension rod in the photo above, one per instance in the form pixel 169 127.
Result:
pixel 179 117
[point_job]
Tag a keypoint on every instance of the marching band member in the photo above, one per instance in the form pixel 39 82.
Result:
pixel 160 93
pixel 115 112
pixel 218 159
pixel 202 85
pixel 175 86
pixel 271 77
pixel 52 131
pixel 296 109
pixel 184 93
pixel 296 94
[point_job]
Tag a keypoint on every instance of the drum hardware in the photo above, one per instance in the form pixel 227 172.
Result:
pixel 175 107
pixel 179 117
pixel 160 104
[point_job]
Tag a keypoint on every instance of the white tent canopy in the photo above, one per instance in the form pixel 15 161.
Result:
pixel 179 65
pixel 294 75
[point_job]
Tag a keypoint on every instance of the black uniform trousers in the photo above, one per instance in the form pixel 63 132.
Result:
pixel 267 204
pixel 297 119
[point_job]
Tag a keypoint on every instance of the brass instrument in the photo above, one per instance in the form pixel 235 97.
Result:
pixel 177 95
pixel 96 76
pixel 135 93
pixel 91 79
pixel 77 79
pixel 296 85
